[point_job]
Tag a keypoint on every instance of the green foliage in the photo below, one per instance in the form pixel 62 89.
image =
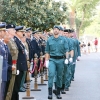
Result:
pixel 84 12
pixel 38 14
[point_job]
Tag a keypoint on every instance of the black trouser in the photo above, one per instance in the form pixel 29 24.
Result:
pixel 6 88
pixel 15 95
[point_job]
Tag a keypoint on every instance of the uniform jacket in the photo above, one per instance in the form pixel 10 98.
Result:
pixel 76 48
pixel 35 47
pixel 4 66
pixel 9 63
pixel 22 59
pixel 31 51
pixel 57 46
pixel 13 49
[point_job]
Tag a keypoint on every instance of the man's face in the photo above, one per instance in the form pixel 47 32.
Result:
pixel 56 31
pixel 29 33
pixel 3 33
pixel 11 31
pixel 23 39
pixel 7 36
pixel 71 34
pixel 66 34
pixel 20 34
pixel 61 33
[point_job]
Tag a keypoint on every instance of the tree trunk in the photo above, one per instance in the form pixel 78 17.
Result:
pixel 84 11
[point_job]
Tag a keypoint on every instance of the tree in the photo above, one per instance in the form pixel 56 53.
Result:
pixel 80 13
pixel 38 14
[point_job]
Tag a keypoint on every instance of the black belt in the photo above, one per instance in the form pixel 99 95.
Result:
pixel 57 57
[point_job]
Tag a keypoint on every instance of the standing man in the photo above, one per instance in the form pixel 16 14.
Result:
pixel 67 71
pixel 21 61
pixel 14 53
pixel 11 67
pixel 76 52
pixel 35 44
pixel 30 46
pixel 4 66
pixel 56 48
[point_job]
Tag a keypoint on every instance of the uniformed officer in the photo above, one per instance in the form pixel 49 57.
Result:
pixel 28 34
pixel 11 67
pixel 8 60
pixel 14 53
pixel 61 33
pixel 21 61
pixel 34 43
pixel 56 48
pixel 23 40
pixel 4 66
pixel 30 46
pixel 67 70
pixel 76 51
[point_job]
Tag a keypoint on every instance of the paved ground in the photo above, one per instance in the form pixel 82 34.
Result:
pixel 86 85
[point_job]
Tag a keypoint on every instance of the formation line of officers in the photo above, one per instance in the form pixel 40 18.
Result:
pixel 62 50
pixel 18 45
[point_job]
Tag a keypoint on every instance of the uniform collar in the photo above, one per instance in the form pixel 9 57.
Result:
pixel 1 40
pixel 12 39
pixel 56 38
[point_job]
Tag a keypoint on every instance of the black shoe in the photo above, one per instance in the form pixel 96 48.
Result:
pixel 62 89
pixel 49 93
pixel 58 93
pixel 59 97
pixel 72 79
pixel 66 89
pixel 49 96
pixel 55 92
pixel 63 92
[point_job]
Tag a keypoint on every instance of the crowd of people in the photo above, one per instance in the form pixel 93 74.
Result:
pixel 18 47
pixel 62 50
pixel 90 46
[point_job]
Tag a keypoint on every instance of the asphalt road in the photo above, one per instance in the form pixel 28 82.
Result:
pixel 86 85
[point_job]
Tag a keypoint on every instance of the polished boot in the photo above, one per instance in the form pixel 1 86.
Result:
pixel 58 93
pixel 66 89
pixel 49 93
pixel 55 90
pixel 62 89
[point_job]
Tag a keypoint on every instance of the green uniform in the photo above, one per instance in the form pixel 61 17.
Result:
pixel 76 54
pixel 56 48
pixel 14 53
pixel 67 68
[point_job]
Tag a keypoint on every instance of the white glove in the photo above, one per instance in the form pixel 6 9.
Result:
pixel 47 63
pixel 70 60
pixel 26 52
pixel 79 57
pixel 66 61
pixel 31 65
pixel 17 72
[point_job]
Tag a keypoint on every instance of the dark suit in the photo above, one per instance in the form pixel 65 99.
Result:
pixel 9 71
pixel 22 60
pixel 21 66
pixel 4 70
pixel 37 50
pixel 35 47
pixel 31 50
